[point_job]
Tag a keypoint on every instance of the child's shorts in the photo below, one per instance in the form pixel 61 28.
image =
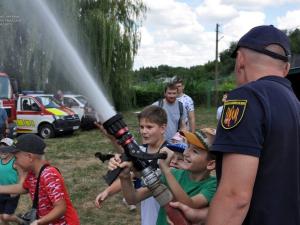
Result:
pixel 8 204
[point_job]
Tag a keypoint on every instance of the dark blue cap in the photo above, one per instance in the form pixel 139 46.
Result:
pixel 258 38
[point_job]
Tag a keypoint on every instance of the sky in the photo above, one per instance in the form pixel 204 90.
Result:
pixel 183 32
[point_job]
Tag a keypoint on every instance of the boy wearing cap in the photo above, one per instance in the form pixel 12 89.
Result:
pixel 54 205
pixel 258 137
pixel 177 145
pixel 194 186
pixel 10 174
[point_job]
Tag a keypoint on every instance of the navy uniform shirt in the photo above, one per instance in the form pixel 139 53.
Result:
pixel 262 119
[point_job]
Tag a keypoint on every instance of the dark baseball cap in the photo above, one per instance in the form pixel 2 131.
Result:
pixel 27 143
pixel 258 38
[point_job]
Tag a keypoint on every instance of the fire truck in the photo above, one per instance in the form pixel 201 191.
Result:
pixel 35 113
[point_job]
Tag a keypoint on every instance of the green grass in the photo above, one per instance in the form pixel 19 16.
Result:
pixel 74 156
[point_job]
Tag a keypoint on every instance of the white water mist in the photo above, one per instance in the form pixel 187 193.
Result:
pixel 69 55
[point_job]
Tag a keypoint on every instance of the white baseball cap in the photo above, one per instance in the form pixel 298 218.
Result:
pixel 7 141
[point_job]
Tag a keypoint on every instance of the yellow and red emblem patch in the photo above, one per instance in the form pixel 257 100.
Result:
pixel 233 112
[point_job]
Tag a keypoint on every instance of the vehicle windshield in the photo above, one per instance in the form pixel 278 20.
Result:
pixel 82 99
pixel 48 101
pixel 4 87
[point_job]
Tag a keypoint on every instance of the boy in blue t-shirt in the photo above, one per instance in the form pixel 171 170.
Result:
pixel 9 175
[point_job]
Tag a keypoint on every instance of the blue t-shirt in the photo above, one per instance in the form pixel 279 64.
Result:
pixel 262 119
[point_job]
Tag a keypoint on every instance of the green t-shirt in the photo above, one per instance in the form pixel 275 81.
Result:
pixel 205 187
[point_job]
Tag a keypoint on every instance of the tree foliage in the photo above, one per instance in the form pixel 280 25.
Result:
pixel 105 32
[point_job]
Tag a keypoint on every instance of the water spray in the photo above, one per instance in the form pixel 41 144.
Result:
pixel 111 121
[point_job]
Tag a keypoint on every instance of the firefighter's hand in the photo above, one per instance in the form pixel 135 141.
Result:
pixel 7 131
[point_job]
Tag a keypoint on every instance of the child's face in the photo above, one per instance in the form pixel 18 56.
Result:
pixel 151 132
pixel 4 155
pixel 177 161
pixel 195 159
pixel 24 160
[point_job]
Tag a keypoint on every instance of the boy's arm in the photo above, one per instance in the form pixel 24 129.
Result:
pixel 12 189
pixel 179 194
pixel 114 188
pixel 132 195
pixel 59 209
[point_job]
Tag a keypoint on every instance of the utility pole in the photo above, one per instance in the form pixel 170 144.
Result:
pixel 216 64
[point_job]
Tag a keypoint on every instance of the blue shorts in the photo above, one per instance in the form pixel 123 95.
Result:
pixel 8 204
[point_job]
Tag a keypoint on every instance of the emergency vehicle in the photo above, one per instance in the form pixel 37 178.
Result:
pixel 36 113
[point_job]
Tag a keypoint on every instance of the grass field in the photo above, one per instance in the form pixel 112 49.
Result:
pixel 74 156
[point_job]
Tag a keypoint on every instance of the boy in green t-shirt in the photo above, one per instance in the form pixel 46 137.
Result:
pixel 193 186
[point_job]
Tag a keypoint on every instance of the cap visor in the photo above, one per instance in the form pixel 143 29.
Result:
pixel 192 139
pixel 9 149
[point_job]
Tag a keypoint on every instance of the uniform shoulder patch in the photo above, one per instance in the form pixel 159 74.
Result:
pixel 233 112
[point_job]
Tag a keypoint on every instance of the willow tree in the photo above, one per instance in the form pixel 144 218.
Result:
pixel 105 32
pixel 110 33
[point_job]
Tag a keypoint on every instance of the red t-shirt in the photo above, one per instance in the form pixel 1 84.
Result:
pixel 51 190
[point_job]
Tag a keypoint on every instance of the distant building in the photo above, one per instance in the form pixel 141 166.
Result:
pixel 165 80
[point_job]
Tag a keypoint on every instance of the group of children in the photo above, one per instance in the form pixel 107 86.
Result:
pixel 24 170
pixel 186 172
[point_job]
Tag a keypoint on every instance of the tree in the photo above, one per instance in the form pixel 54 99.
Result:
pixel 295 41
pixel 105 32
pixel 110 31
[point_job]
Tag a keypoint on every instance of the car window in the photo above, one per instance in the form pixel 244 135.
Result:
pixel 81 99
pixel 28 104
pixel 47 101
pixel 69 102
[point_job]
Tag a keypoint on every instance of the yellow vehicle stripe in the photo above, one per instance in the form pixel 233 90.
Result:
pixel 57 112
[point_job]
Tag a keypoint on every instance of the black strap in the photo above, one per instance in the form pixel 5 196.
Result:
pixel 161 103
pixel 180 105
pixel 36 193
pixel 154 163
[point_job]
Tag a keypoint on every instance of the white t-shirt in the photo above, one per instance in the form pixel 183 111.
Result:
pixel 188 104
pixel 149 207
pixel 149 211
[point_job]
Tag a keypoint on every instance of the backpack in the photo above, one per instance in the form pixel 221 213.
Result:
pixel 180 107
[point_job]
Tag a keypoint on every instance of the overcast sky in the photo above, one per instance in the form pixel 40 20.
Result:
pixel 182 32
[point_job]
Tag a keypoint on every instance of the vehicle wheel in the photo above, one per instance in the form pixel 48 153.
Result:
pixel 46 131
